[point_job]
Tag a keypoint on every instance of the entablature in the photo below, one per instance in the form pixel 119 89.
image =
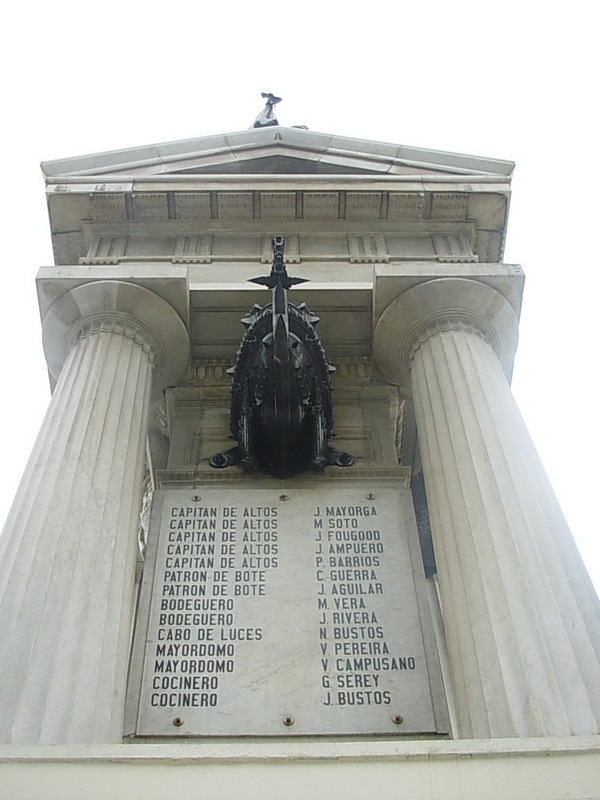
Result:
pixel 349 299
pixel 113 207
pixel 85 223
pixel 444 242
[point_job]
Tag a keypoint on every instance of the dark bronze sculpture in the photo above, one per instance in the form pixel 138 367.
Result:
pixel 267 117
pixel 281 408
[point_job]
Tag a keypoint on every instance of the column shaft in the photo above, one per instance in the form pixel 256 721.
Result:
pixel 521 617
pixel 68 551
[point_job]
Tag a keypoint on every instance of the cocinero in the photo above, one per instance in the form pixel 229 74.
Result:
pixel 184 699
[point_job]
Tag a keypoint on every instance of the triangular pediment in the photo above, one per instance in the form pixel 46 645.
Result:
pixel 273 164
pixel 275 151
pixel 259 180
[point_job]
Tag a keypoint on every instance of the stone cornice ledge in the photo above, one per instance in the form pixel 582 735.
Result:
pixel 248 750
pixel 124 182
pixel 424 769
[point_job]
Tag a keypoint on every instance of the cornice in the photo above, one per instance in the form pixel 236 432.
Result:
pixel 235 148
pixel 266 177
pixel 62 184
pixel 79 212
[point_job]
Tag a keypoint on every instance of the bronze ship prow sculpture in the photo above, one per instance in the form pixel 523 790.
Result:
pixel 281 405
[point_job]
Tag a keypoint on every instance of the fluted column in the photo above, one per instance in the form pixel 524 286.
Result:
pixel 521 617
pixel 68 551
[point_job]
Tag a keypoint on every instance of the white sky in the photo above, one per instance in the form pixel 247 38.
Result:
pixel 511 80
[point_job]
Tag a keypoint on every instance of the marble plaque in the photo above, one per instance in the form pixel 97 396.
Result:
pixel 270 613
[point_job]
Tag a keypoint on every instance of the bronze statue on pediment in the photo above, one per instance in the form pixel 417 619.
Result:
pixel 267 117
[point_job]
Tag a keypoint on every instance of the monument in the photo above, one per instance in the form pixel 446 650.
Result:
pixel 289 530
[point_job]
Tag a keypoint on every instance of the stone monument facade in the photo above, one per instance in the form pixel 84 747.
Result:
pixel 377 613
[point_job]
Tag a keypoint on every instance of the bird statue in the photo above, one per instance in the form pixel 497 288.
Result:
pixel 267 117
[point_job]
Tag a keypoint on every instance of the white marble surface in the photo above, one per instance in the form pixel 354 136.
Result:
pixel 521 617
pixel 530 769
pixel 69 547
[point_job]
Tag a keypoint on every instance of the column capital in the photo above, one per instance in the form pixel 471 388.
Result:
pixel 121 307
pixel 437 305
